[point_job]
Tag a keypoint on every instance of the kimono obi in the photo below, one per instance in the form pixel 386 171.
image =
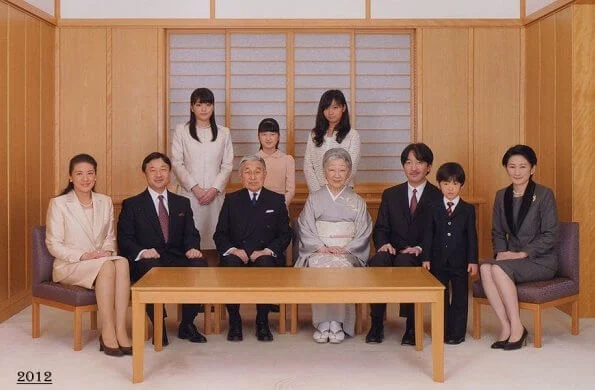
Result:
pixel 335 233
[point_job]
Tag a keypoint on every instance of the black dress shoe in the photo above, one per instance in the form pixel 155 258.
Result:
pixel 263 332
pixel 235 331
pixel 164 340
pixel 408 337
pixel 455 341
pixel 189 331
pixel 376 334
pixel 275 308
pixel 510 346
pixel 499 344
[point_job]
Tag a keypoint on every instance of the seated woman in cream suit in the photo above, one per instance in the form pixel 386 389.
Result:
pixel 80 235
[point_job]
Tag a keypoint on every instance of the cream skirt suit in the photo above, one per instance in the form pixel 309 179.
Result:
pixel 71 231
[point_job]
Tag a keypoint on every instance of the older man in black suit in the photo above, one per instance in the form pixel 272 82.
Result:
pixel 156 229
pixel 398 232
pixel 253 231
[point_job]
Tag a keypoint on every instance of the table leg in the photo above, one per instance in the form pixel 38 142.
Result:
pixel 138 333
pixel 438 337
pixel 282 318
pixel 158 326
pixel 419 326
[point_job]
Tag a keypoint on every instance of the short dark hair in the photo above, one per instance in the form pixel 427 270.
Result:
pixel 156 156
pixel 421 151
pixel 451 171
pixel 269 125
pixel 520 150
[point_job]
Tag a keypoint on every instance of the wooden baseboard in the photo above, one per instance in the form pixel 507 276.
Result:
pixel 17 304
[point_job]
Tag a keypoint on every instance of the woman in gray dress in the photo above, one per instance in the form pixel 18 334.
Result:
pixel 525 237
pixel 334 230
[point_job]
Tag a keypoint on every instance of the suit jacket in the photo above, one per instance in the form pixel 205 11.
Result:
pixel 253 227
pixel 537 234
pixel 395 225
pixel 451 242
pixel 139 227
pixel 69 233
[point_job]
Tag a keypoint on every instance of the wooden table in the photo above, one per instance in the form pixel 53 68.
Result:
pixel 288 285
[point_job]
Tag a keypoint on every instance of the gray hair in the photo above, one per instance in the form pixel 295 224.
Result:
pixel 253 157
pixel 336 154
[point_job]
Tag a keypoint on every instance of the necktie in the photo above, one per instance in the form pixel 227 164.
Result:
pixel 413 204
pixel 254 199
pixel 449 209
pixel 163 218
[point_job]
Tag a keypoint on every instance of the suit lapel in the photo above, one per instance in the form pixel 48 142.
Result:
pixel 404 200
pixel 148 210
pixel 76 210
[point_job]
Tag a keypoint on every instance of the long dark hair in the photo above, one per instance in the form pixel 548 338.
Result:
pixel 202 95
pixel 322 124
pixel 79 158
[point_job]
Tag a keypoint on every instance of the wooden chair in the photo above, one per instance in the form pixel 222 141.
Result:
pixel 44 291
pixel 536 296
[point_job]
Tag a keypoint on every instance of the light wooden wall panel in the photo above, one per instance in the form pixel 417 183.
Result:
pixel 546 150
pixel 47 121
pixel 496 114
pixel 563 139
pixel 583 117
pixel 445 79
pixel 4 258
pixel 17 144
pixel 83 99
pixel 135 79
pixel 532 86
pixel 33 136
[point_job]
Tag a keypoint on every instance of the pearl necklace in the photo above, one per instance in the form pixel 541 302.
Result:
pixel 87 205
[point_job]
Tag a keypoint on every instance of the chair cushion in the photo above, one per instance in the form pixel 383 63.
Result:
pixel 63 293
pixel 537 292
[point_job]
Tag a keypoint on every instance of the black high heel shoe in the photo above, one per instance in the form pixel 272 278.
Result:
pixel 517 344
pixel 108 350
pixel 500 344
pixel 126 350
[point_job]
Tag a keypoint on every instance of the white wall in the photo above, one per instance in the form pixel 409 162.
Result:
pixel 46 6
pixel 293 9
pixel 141 9
pixel 445 9
pixel 290 9
pixel 532 6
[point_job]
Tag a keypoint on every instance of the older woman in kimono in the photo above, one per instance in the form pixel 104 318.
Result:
pixel 334 230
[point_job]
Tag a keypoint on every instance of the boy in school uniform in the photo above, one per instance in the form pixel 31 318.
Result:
pixel 450 249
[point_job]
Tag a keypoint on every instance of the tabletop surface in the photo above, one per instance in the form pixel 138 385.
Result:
pixel 286 279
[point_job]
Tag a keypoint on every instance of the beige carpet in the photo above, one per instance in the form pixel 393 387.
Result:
pixel 297 362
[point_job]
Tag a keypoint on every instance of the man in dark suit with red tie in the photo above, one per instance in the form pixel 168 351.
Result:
pixel 398 232
pixel 156 229
pixel 253 231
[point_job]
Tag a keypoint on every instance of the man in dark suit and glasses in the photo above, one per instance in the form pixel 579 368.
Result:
pixel 398 232
pixel 156 229
pixel 252 231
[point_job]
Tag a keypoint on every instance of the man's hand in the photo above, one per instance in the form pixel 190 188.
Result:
pixel 388 248
pixel 472 269
pixel 150 254
pixel 241 254
pixel 412 251
pixel 193 253
pixel 256 254
pixel 426 265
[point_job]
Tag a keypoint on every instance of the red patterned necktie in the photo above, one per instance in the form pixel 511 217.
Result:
pixel 413 204
pixel 449 209
pixel 163 219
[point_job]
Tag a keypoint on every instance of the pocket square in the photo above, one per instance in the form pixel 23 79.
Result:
pixel 269 211
pixel 181 214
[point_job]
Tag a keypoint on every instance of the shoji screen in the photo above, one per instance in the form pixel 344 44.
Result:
pixel 283 75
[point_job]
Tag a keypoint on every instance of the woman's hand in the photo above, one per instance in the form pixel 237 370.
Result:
pixel 95 255
pixel 198 192
pixel 208 196
pixel 334 250
pixel 509 255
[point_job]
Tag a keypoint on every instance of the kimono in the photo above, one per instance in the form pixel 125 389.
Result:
pixel 327 220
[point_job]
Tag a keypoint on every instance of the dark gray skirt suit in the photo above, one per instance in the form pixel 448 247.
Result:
pixel 526 224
